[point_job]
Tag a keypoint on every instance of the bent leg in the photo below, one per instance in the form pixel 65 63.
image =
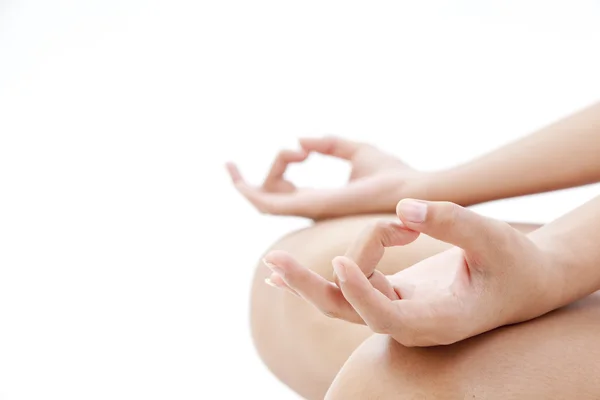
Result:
pixel 301 346
pixel 556 356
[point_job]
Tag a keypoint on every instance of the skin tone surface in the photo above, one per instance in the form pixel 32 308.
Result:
pixel 562 155
pixel 493 276
pixel 374 185
pixel 490 274
pixel 551 357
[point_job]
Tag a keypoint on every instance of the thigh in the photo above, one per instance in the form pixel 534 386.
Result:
pixel 302 347
pixel 556 356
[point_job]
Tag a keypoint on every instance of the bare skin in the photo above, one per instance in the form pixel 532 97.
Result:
pixel 304 348
pixel 551 357
pixel 429 292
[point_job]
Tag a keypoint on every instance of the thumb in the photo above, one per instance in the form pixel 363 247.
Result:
pixel 452 224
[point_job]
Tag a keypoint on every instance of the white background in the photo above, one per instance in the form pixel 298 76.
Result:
pixel 125 255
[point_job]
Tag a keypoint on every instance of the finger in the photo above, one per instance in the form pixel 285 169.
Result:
pixel 277 282
pixel 380 282
pixel 264 202
pixel 234 172
pixel 316 204
pixel 283 159
pixel 374 307
pixel 369 247
pixel 332 146
pixel 311 203
pixel 453 224
pixel 257 197
pixel 323 294
pixel 308 204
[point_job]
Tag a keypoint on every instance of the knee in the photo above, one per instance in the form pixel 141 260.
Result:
pixel 289 334
pixel 309 248
pixel 271 309
pixel 381 368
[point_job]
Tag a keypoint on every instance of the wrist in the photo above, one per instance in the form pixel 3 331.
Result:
pixel 441 185
pixel 418 186
pixel 535 281
pixel 555 260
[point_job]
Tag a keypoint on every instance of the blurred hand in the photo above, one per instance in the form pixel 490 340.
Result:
pixel 495 276
pixel 377 181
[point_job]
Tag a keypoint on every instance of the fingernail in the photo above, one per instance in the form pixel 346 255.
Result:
pixel 269 282
pixel 274 268
pixel 340 270
pixel 413 211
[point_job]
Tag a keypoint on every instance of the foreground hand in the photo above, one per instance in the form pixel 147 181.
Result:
pixel 376 182
pixel 495 276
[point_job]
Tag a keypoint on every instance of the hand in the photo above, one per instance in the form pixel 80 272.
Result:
pixel 495 276
pixel 377 181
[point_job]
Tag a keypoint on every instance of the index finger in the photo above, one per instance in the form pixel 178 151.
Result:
pixel 281 162
pixel 368 248
pixel 332 146
pixel 374 307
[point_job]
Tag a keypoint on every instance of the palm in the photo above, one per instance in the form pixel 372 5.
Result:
pixel 431 279
pixel 495 275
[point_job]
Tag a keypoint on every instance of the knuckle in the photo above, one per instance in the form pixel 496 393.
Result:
pixel 449 213
pixel 381 224
pixel 331 140
pixel 505 236
pixel 377 228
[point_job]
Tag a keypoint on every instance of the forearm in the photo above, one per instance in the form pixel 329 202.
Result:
pixel 572 244
pixel 562 155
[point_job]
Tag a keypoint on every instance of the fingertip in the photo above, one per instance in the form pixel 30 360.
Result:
pixel 346 266
pixel 270 282
pixel 341 260
pixel 339 270
pixel 274 256
pixel 398 208
pixel 277 281
pixel 412 211
pixel 233 171
pixel 282 260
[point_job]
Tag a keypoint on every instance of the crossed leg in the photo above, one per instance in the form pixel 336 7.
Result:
pixel 551 357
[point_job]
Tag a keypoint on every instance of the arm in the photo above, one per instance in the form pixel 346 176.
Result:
pixel 573 243
pixel 494 276
pixel 559 156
